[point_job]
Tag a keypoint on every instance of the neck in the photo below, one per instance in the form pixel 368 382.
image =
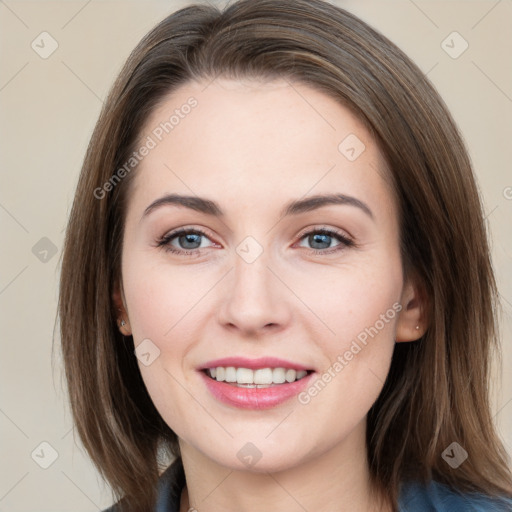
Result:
pixel 338 478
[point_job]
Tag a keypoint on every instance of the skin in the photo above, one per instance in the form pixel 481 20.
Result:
pixel 252 147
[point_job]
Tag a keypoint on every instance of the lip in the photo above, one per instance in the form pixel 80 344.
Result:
pixel 254 398
pixel 254 364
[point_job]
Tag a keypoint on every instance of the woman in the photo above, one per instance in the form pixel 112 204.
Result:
pixel 207 326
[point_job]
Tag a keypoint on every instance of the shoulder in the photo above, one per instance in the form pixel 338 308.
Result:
pixel 436 497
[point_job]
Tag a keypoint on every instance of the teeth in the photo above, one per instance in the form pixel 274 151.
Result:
pixel 263 376
pixel 244 376
pixel 230 374
pixel 251 378
pixel 290 375
pixel 278 375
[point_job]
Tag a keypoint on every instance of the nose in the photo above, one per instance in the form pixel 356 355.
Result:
pixel 254 299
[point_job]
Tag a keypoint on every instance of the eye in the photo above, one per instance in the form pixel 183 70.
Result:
pixel 188 240
pixel 321 239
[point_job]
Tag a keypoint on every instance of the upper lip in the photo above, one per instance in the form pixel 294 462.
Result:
pixel 254 364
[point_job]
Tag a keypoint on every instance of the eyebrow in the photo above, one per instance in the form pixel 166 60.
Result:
pixel 209 207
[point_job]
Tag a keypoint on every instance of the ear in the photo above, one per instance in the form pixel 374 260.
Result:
pixel 123 322
pixel 412 322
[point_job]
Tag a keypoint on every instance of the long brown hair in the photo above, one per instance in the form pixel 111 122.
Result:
pixel 437 389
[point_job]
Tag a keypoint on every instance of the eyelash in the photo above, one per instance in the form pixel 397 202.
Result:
pixel 164 241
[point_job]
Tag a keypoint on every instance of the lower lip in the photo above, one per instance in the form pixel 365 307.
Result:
pixel 255 398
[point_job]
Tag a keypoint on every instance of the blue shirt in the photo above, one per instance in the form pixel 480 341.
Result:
pixel 436 497
pixel 414 497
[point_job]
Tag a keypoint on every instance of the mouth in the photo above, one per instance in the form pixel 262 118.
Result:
pixel 254 383
pixel 259 378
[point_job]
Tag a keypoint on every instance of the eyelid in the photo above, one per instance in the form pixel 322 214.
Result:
pixel 188 229
pixel 323 227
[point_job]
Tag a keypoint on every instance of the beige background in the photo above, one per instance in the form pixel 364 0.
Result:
pixel 48 109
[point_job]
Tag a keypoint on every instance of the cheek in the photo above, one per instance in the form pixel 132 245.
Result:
pixel 357 356
pixel 160 301
pixel 360 307
pixel 355 298
pixel 160 297
pixel 368 311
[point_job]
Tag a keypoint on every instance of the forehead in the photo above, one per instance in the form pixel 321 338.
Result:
pixel 260 141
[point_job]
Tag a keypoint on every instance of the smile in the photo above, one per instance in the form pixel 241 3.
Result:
pixel 260 378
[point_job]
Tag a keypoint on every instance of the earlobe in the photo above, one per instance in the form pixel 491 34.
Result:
pixel 124 327
pixel 123 321
pixel 407 331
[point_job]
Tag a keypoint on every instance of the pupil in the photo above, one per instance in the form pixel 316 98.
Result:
pixel 190 238
pixel 323 236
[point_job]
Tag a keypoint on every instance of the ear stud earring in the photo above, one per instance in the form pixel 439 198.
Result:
pixel 417 327
pixel 123 323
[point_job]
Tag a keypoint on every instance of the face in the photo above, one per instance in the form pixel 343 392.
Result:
pixel 314 287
